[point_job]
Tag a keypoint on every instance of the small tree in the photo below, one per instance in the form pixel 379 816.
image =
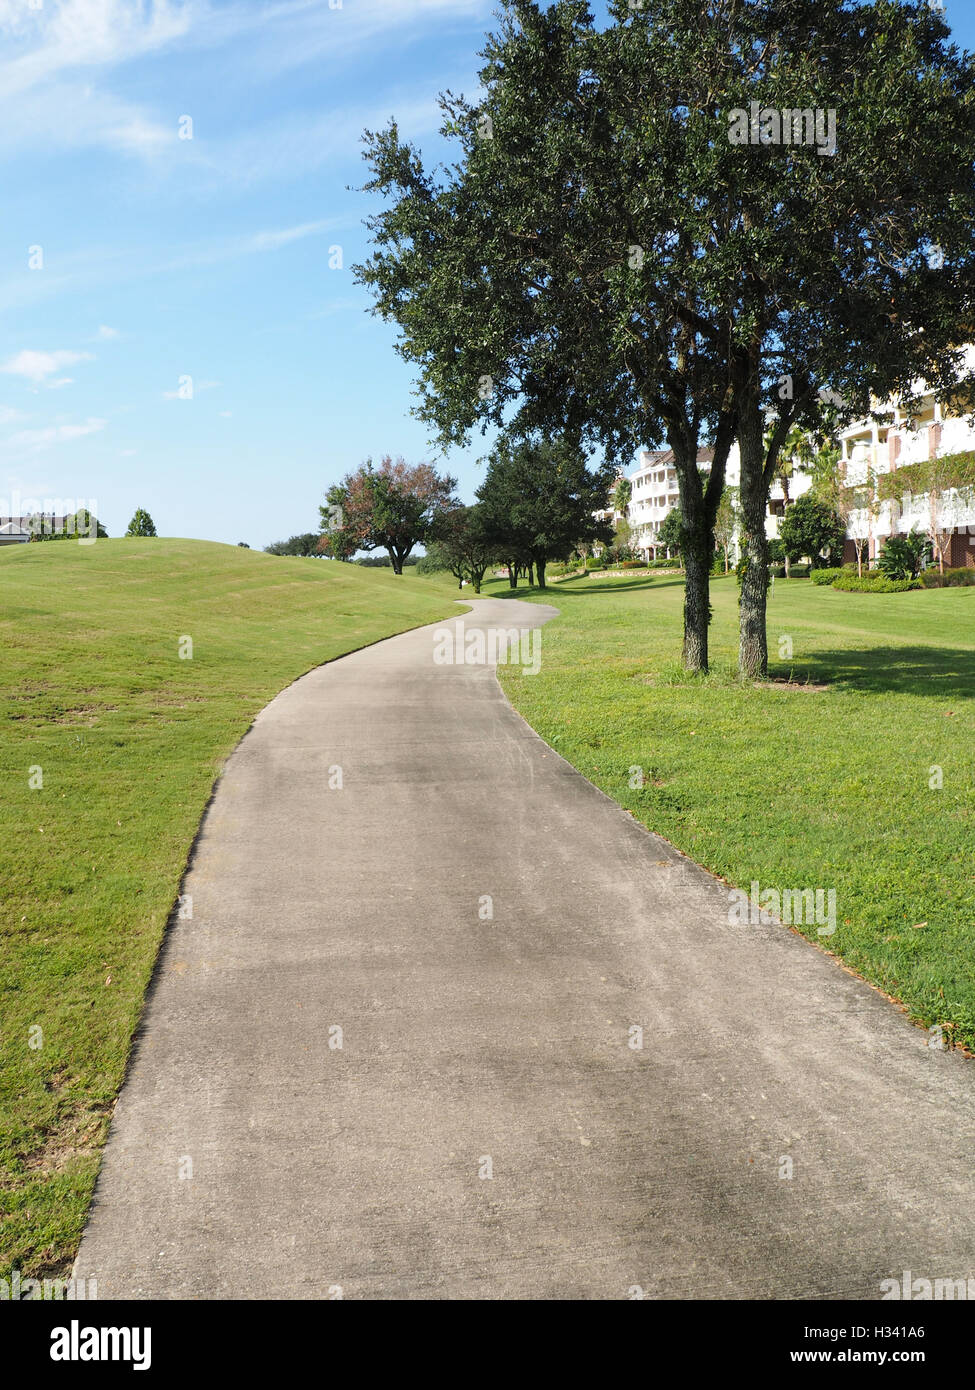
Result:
pixel 671 534
pixel 463 543
pixel 141 524
pixel 726 523
pixel 812 528
pixel 854 502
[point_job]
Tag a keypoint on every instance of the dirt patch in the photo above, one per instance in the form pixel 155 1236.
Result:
pixel 78 1132
pixel 808 686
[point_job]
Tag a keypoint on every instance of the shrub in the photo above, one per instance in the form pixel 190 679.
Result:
pixel 660 564
pixel 873 584
pixel 826 576
pixel 595 562
pixel 903 556
pixel 641 564
pixel 951 579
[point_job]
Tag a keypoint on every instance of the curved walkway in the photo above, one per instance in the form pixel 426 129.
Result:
pixel 487 930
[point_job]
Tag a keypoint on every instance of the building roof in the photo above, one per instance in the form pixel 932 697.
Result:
pixel 656 458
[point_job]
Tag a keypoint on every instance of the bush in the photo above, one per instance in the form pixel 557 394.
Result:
pixel 903 556
pixel 595 562
pixel 873 584
pixel 951 579
pixel 641 565
pixel 795 572
pixel 673 564
pixel 826 576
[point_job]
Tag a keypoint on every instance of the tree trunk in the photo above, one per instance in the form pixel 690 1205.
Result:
pixel 753 640
pixel 697 571
pixel 531 576
pixel 540 573
pixel 512 575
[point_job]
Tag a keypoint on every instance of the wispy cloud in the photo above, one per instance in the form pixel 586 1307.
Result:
pixel 35 440
pixel 38 366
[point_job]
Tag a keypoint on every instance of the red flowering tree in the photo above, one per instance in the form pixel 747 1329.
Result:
pixel 392 508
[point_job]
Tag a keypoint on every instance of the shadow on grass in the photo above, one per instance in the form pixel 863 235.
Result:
pixel 941 672
pixel 576 587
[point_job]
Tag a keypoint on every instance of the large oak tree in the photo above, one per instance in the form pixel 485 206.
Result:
pixel 616 255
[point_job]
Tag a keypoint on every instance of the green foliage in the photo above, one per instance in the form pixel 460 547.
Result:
pixel 141 524
pixel 903 556
pixel 873 584
pixel 826 576
pixel 538 499
pixel 464 542
pixel 671 533
pixel 811 527
pixel 915 479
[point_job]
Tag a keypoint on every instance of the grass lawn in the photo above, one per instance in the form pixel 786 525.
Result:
pixel 791 788
pixel 129 739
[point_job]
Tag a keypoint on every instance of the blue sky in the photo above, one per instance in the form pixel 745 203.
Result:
pixel 164 258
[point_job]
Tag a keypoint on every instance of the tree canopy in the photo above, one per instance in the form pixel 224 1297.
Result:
pixel 538 499
pixel 141 524
pixel 391 507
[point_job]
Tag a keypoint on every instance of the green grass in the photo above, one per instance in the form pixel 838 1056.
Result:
pixel 130 739
pixel 791 788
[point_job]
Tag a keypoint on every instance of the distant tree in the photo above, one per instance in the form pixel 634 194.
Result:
pixel 726 523
pixel 81 525
pixel 465 543
pixel 539 501
pixel 305 544
pixel 391 507
pixel 243 545
pixel 811 527
pixel 141 524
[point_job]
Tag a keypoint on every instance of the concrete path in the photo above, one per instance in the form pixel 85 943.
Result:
pixel 252 1157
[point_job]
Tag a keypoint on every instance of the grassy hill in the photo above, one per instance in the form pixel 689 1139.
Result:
pixel 128 738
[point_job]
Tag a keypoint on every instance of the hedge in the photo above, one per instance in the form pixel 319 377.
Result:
pixel 873 584
pixel 951 579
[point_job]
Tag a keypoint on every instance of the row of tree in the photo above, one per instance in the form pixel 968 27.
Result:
pixel 83 524
pixel 611 257
pixel 537 504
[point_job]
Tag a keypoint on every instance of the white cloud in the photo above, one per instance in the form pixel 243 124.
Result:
pixel 54 434
pixel 105 333
pixel 38 366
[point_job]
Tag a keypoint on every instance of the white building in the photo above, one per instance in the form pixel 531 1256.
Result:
pixel 869 449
